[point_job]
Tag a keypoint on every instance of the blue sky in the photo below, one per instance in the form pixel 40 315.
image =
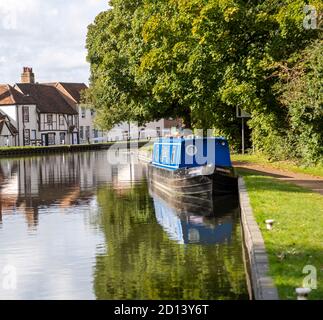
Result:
pixel 48 35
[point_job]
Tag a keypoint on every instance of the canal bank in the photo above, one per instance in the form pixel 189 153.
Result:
pixel 263 287
pixel 30 151
pixel 295 241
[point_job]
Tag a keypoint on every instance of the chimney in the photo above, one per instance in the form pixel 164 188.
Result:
pixel 27 76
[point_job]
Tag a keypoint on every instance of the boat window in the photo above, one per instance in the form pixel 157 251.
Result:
pixel 165 154
pixel 174 153
pixel 157 153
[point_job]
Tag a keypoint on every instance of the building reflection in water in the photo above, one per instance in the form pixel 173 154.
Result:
pixel 94 231
pixel 64 180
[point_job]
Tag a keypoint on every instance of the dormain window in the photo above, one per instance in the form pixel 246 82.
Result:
pixel 61 120
pixel 25 114
pixel 50 119
pixel 70 120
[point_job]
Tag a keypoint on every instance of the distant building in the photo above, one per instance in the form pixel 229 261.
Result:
pixel 48 114
pixel 150 130
pixel 43 113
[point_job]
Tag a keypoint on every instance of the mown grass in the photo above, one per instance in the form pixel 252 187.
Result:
pixel 297 237
pixel 283 165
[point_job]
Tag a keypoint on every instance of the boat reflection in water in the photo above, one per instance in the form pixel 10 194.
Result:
pixel 211 222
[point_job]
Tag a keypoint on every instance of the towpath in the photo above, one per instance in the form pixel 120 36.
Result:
pixel 304 180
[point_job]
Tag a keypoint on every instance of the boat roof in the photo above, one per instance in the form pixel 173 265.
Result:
pixel 179 139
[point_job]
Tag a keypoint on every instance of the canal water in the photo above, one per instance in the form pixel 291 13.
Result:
pixel 73 226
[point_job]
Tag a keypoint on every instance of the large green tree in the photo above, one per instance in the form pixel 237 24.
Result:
pixel 198 60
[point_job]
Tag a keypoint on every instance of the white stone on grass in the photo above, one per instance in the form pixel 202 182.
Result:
pixel 270 224
pixel 302 293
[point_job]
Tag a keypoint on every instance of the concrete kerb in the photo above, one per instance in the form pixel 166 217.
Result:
pixel 262 285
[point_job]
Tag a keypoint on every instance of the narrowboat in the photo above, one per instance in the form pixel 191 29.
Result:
pixel 192 169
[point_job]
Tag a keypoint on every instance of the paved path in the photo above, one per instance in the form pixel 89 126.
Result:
pixel 300 179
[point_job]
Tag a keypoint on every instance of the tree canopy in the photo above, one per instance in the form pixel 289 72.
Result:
pixel 200 59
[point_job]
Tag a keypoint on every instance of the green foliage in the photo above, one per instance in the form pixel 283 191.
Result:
pixel 302 96
pixel 199 60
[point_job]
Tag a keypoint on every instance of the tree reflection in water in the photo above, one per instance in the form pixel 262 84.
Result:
pixel 144 262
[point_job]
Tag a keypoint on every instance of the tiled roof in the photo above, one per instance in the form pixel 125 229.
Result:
pixel 10 96
pixel 4 120
pixel 47 98
pixel 73 89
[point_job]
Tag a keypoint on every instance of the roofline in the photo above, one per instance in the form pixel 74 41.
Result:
pixel 37 105
pixel 12 133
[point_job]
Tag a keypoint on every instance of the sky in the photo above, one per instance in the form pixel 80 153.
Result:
pixel 47 35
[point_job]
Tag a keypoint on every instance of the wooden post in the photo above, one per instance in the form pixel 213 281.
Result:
pixel 243 142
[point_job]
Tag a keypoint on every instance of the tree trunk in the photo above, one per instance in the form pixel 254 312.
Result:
pixel 187 119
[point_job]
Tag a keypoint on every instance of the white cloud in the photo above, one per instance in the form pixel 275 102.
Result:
pixel 46 35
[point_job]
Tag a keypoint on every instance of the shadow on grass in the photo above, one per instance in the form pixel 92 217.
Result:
pixel 260 181
pixel 260 173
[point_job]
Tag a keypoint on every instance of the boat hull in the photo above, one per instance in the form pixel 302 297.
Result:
pixel 192 188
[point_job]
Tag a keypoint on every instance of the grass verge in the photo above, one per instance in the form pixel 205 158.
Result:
pixel 296 240
pixel 283 165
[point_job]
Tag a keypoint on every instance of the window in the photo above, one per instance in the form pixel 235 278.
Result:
pixel 26 137
pixel 95 133
pixel 158 131
pixel 25 114
pixel 50 119
pixel 142 134
pixel 51 139
pixel 157 147
pixel 62 138
pixel 83 113
pixel 61 120
pixel 165 154
pixel 174 155
pixel 87 133
pixel 33 135
pixel 81 132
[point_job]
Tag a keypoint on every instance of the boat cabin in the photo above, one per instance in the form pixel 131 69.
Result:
pixel 176 153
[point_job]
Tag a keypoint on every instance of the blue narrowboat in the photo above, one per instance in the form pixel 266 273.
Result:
pixel 194 168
